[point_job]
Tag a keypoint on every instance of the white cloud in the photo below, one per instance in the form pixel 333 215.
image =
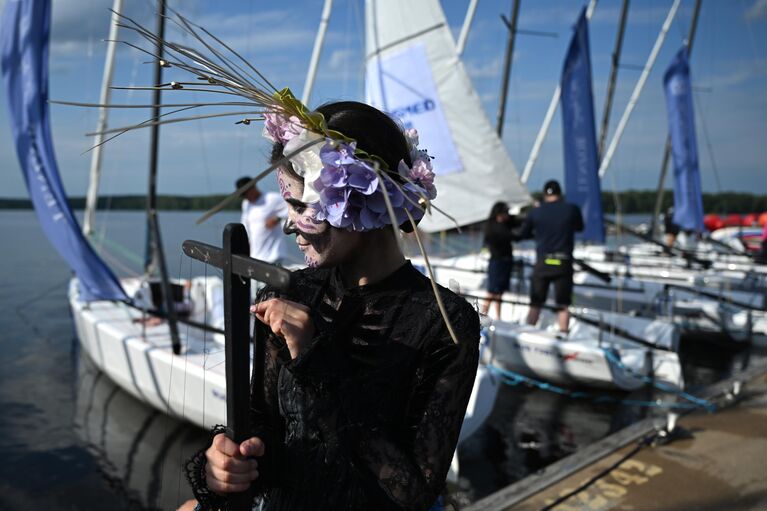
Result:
pixel 744 73
pixel 757 11
pixel 341 60
pixel 485 70
pixel 638 14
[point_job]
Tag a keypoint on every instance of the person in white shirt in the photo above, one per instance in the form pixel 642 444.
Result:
pixel 262 215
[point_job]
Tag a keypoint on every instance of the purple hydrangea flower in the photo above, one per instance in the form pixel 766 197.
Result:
pixel 351 194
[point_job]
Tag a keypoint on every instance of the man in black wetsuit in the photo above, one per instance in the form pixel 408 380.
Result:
pixel 553 224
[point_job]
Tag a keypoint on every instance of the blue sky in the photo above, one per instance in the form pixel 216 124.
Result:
pixel 729 70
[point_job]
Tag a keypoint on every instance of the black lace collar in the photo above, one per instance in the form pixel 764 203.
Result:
pixel 400 278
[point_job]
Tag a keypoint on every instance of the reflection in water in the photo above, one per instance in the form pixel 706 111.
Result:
pixel 704 363
pixel 530 429
pixel 139 451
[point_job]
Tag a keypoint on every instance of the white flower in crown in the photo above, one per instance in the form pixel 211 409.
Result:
pixel 411 135
pixel 307 163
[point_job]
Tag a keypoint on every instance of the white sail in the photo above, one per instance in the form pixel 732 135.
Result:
pixel 414 73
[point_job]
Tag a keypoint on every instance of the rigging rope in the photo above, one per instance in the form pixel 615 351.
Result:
pixel 709 147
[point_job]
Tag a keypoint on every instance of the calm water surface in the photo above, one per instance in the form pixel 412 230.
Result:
pixel 71 440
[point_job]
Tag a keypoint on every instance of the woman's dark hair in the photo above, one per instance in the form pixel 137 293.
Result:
pixel 498 208
pixel 375 132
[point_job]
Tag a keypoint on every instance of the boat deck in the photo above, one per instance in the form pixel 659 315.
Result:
pixel 717 463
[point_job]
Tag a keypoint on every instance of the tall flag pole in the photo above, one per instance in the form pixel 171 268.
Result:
pixel 579 134
pixel 24 36
pixel 688 198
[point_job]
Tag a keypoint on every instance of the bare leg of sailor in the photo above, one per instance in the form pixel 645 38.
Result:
pixel 533 314
pixel 491 297
pixel 564 319
pixel 486 305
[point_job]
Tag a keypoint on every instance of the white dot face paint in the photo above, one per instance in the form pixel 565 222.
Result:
pixel 321 244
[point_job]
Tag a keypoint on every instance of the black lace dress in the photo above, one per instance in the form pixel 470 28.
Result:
pixel 368 416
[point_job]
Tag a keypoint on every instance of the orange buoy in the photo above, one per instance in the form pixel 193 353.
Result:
pixel 713 222
pixel 750 219
pixel 762 219
pixel 732 220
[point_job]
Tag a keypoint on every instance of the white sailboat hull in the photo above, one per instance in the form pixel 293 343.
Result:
pixel 191 386
pixel 539 354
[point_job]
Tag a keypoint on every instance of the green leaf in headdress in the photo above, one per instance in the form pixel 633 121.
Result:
pixel 311 120
pixel 315 121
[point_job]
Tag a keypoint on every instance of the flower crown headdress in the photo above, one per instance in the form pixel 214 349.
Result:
pixel 348 187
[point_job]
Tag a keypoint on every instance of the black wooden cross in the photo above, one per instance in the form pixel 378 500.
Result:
pixel 239 270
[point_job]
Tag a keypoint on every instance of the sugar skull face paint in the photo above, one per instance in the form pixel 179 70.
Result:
pixel 321 244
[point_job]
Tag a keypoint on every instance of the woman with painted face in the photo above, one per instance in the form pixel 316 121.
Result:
pixel 366 384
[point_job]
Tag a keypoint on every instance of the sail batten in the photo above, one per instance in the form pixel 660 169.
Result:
pixel 414 73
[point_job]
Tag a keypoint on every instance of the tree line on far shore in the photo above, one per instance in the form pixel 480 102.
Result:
pixel 643 201
pixel 137 203
pixel 628 202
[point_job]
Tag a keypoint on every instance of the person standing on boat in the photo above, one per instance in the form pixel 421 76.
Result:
pixel 498 238
pixel 262 215
pixel 553 224
pixel 366 379
pixel 669 227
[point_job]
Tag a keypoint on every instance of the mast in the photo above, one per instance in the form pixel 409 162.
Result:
pixel 106 82
pixel 667 149
pixel 512 26
pixel 613 75
pixel 638 89
pixel 316 51
pixel 536 150
pixel 464 35
pixel 157 259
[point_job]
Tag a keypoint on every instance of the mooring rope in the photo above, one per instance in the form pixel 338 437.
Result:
pixel 513 379
pixel 664 387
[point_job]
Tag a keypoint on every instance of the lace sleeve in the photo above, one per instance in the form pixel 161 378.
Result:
pixel 195 474
pixel 413 476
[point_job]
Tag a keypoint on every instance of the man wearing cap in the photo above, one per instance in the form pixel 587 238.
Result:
pixel 262 214
pixel 553 224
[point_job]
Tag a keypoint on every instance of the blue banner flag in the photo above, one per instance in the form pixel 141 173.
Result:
pixel 24 33
pixel 579 134
pixel 688 198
